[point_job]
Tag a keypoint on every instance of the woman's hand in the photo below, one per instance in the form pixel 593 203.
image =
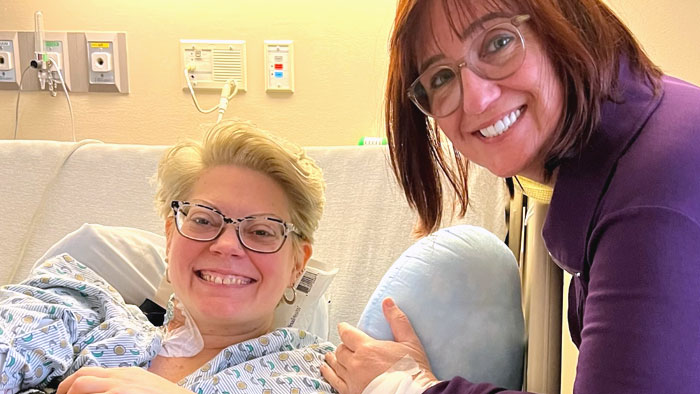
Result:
pixel 360 358
pixel 131 380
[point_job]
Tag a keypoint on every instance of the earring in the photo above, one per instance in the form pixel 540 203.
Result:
pixel 294 296
pixel 167 268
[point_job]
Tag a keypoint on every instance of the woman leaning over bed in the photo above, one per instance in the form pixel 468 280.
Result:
pixel 560 92
pixel 240 210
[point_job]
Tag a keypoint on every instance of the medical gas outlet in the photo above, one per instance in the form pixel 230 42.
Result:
pixel 106 57
pixel 101 68
pixel 9 53
pixel 5 59
pixel 7 66
pixel 101 62
pixel 279 66
pixel 55 49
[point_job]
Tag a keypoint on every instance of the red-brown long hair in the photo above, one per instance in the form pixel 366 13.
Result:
pixel 584 40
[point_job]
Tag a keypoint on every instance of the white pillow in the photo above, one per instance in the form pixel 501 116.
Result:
pixel 132 261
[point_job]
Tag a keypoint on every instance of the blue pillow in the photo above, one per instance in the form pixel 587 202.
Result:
pixel 460 288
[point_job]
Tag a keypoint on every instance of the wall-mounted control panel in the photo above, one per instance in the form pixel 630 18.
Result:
pixel 208 64
pixel 279 65
pixel 89 61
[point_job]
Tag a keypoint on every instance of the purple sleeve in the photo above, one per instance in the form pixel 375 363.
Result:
pixel 641 328
pixel 463 386
pixel 641 324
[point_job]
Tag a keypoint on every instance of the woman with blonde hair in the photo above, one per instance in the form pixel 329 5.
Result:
pixel 240 210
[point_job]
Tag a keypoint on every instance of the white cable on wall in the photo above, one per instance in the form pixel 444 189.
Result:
pixel 229 90
pixel 19 92
pixel 65 90
pixel 53 64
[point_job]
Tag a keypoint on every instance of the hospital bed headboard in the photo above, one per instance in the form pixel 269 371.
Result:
pixel 51 188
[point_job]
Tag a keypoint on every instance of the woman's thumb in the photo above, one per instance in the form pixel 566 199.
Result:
pixel 398 321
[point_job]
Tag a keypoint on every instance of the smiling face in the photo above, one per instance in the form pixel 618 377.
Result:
pixel 504 125
pixel 222 284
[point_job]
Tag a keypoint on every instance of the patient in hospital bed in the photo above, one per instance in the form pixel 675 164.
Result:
pixel 240 210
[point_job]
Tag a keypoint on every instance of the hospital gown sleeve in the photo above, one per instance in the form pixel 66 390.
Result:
pixel 63 317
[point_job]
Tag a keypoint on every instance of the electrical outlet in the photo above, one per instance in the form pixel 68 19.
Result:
pixel 6 63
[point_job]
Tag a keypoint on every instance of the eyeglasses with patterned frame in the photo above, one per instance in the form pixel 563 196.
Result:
pixel 261 234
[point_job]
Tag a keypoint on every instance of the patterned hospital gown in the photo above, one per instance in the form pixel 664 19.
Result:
pixel 64 316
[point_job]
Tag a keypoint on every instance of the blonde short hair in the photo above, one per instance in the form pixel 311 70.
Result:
pixel 242 144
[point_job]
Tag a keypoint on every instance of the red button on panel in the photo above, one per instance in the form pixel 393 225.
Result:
pixel 278 66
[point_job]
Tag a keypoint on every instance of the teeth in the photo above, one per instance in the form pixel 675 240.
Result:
pixel 506 121
pixel 502 125
pixel 224 279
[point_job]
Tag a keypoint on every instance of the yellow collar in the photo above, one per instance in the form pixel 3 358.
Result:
pixel 534 190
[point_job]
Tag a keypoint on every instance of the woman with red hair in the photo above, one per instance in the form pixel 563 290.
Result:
pixel 556 93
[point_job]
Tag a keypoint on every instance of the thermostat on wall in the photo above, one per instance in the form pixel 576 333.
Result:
pixel 279 66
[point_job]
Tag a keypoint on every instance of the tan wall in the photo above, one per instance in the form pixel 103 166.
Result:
pixel 340 64
pixel 667 29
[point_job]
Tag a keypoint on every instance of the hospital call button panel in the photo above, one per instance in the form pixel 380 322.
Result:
pixel 279 66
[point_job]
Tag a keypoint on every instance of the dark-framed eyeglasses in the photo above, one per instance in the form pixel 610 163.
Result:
pixel 261 234
pixel 494 54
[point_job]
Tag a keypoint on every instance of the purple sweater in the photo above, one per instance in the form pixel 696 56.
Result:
pixel 625 221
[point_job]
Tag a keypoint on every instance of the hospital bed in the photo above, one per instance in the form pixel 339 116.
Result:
pixel 49 189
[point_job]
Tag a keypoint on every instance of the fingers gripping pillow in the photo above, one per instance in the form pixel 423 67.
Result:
pixel 460 288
